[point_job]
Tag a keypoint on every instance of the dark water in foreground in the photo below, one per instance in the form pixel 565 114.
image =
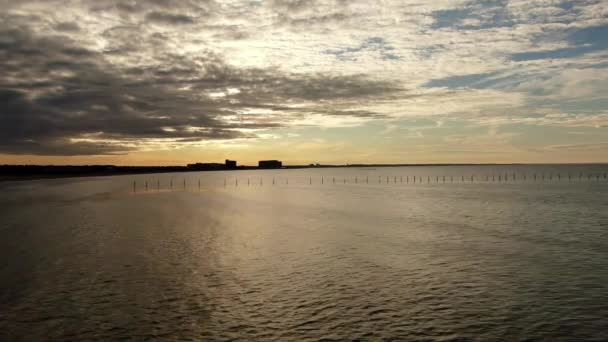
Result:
pixel 517 260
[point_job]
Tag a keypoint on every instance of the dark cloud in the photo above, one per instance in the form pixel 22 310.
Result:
pixel 229 32
pixel 59 97
pixel 293 6
pixel 169 18
pixel 67 27
pixel 53 92
pixel 135 7
pixel 312 15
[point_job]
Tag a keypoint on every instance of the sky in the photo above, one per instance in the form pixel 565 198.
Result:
pixel 161 82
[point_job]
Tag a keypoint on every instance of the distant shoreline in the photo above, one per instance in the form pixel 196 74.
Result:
pixel 36 172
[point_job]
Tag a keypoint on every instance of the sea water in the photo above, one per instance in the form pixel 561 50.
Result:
pixel 461 253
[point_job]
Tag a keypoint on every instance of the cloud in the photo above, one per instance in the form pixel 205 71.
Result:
pixel 120 76
pixel 375 44
pixel 169 18
pixel 64 99
pixel 67 27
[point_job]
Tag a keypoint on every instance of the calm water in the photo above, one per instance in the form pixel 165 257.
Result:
pixel 89 258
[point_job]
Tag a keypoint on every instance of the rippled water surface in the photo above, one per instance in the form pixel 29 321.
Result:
pixel 334 254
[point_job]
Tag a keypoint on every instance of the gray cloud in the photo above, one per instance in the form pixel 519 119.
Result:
pixel 60 98
pixel 169 18
pixel 67 27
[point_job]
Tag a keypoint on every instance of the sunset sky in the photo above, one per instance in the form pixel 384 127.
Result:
pixel 163 82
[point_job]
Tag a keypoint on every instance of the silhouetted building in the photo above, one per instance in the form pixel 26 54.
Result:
pixel 270 164
pixel 230 164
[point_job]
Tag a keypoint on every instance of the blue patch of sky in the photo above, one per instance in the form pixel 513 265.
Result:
pixel 574 106
pixel 566 5
pixel 462 81
pixel 489 80
pixel 504 82
pixel 488 13
pixel 582 41
pixel 377 44
pixel 537 99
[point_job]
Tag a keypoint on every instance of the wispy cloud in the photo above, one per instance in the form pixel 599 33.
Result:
pixel 116 77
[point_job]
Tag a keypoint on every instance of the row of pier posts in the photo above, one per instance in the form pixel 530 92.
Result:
pixel 542 177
